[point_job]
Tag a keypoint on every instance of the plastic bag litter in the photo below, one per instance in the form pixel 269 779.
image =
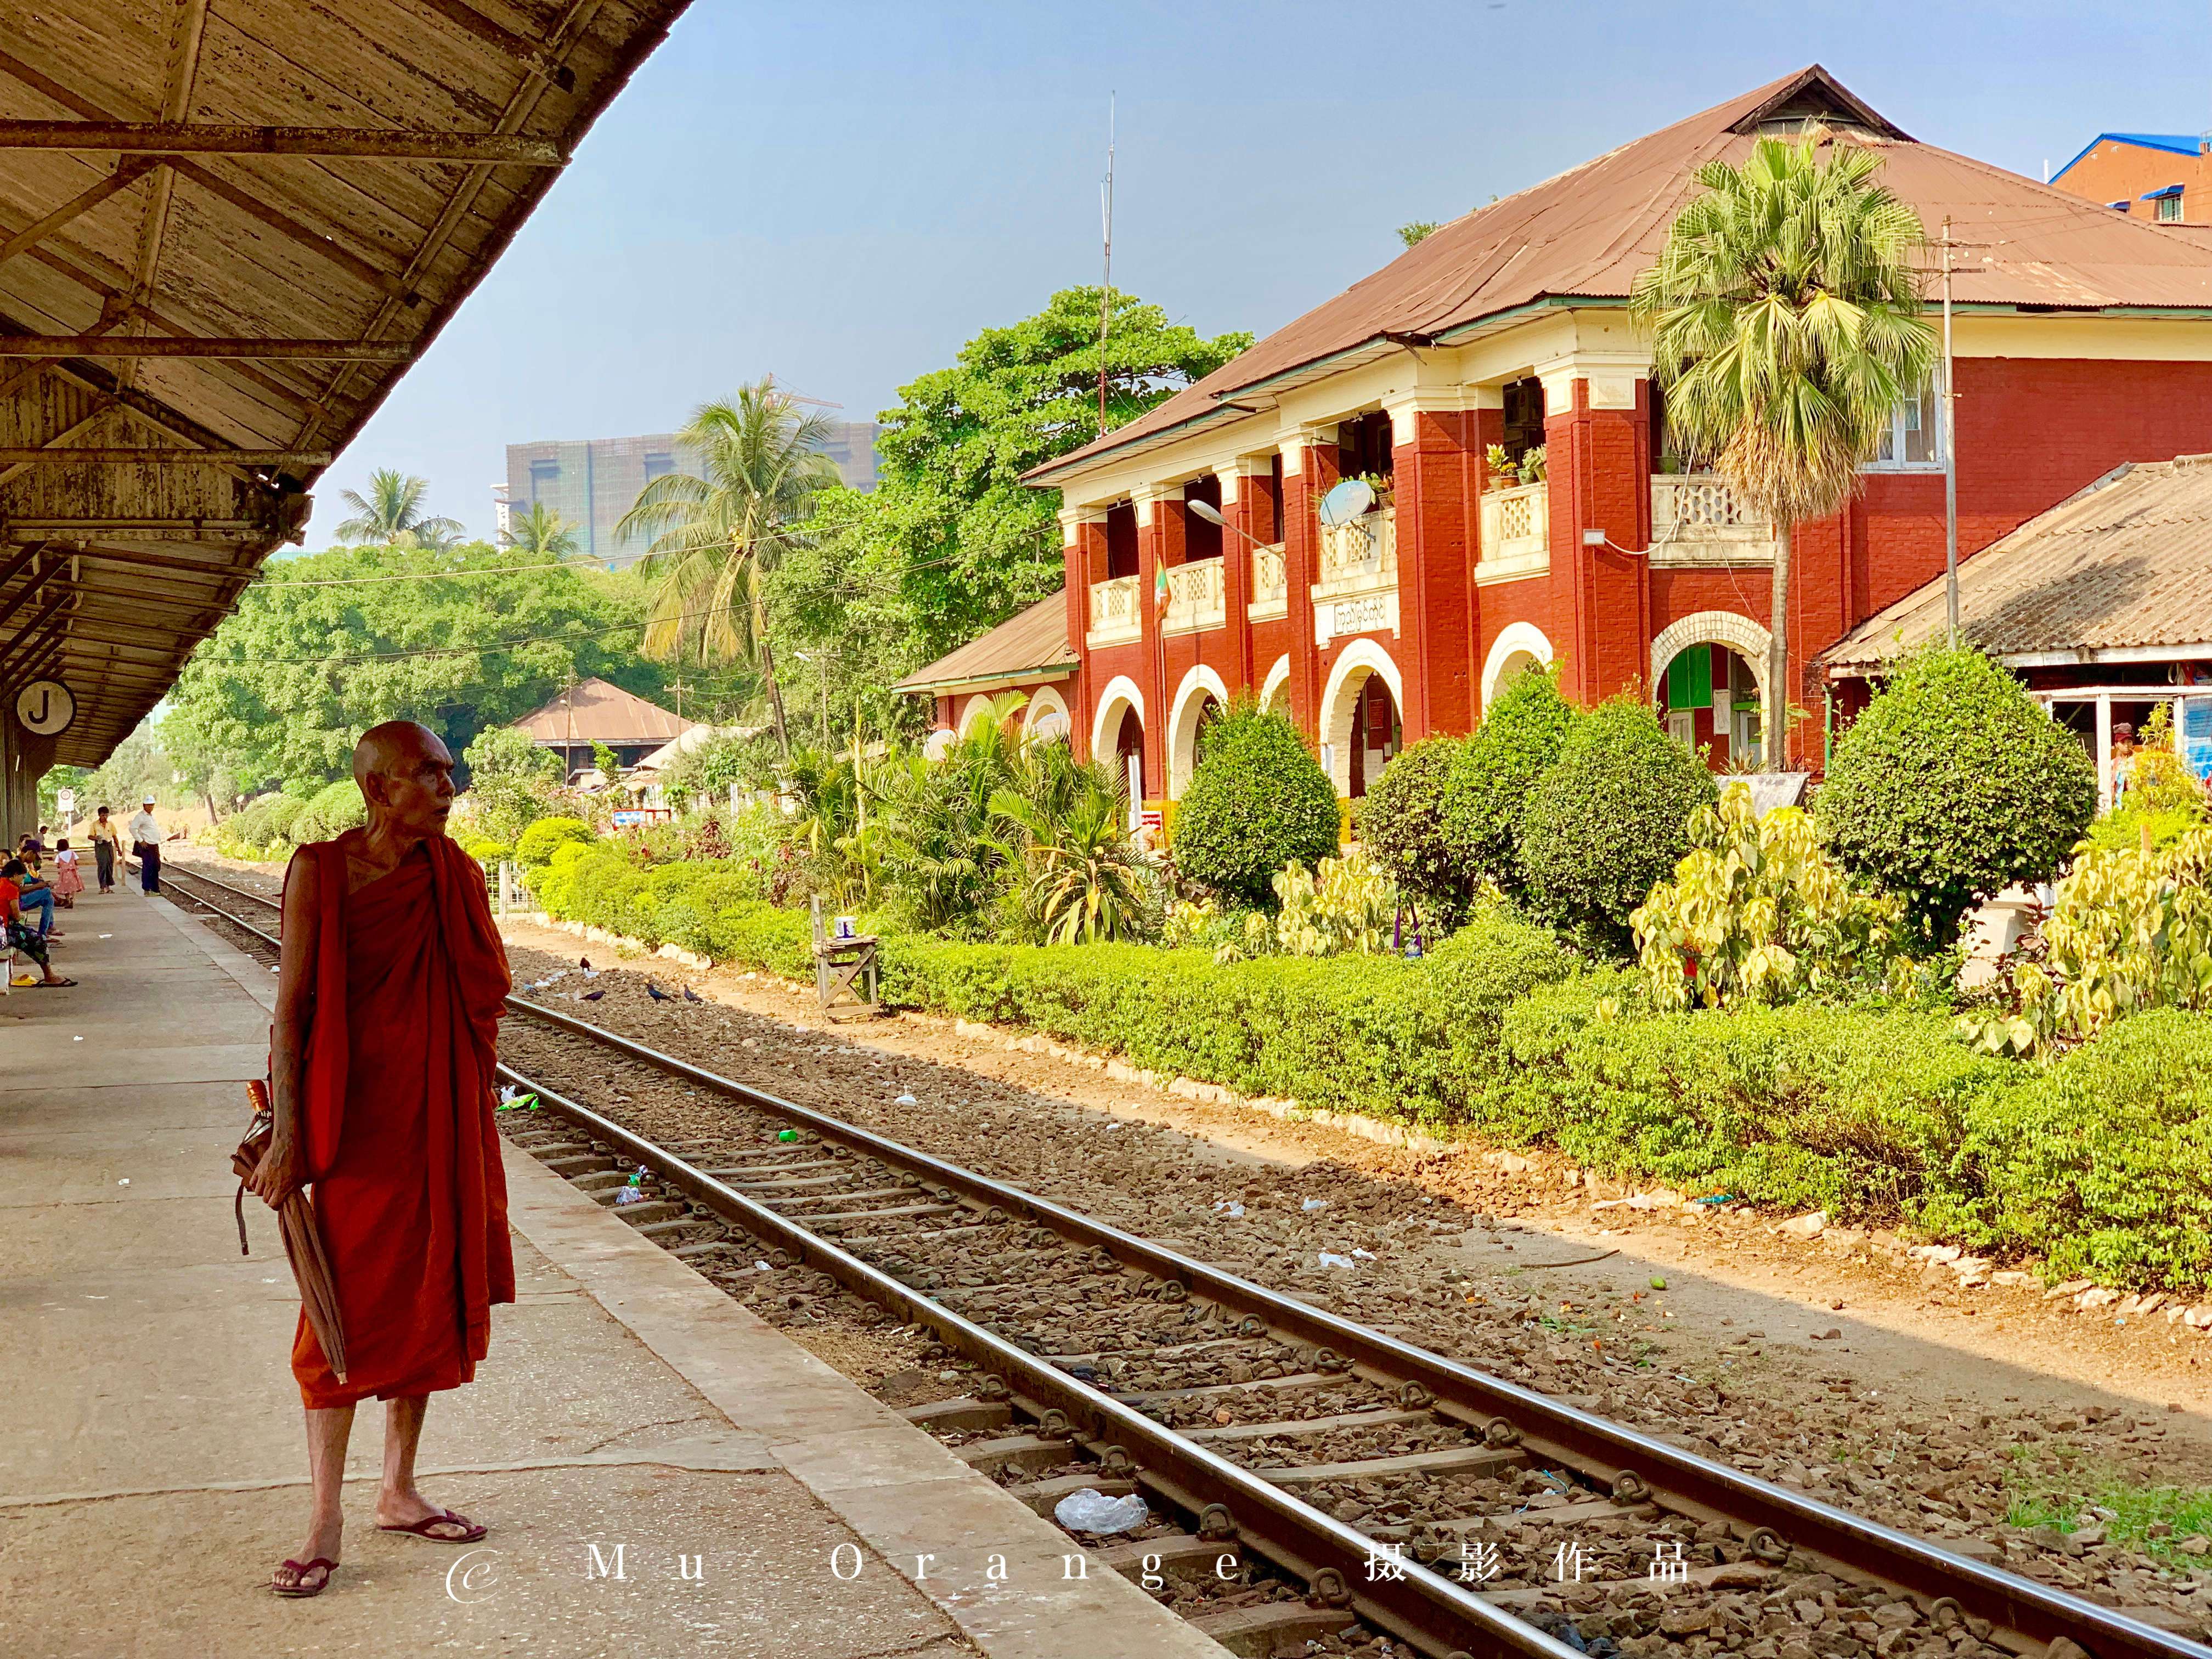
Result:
pixel 1365 1256
pixel 1330 1259
pixel 905 1098
pixel 1230 1208
pixel 1091 1510
pixel 1313 1204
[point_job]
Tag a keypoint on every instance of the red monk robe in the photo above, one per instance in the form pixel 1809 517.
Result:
pixel 397 1136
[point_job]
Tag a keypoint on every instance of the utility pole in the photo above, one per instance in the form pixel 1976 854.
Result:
pixel 1950 435
pixel 1106 279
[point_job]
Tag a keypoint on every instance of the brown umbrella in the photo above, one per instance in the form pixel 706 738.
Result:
pixel 303 1241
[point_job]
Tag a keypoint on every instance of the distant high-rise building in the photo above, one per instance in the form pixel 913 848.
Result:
pixel 591 482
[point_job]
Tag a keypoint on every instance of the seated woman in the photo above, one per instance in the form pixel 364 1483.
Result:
pixel 19 932
pixel 34 893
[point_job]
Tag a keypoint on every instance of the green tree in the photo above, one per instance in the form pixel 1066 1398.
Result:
pixel 949 527
pixel 392 513
pixel 1785 320
pixel 1519 738
pixel 323 646
pixel 544 534
pixel 1258 801
pixel 715 537
pixel 1609 820
pixel 511 781
pixel 1951 785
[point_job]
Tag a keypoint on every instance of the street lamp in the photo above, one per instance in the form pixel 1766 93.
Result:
pixel 1211 515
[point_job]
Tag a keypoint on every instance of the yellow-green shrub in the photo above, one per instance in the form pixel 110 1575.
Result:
pixel 1345 908
pixel 1758 912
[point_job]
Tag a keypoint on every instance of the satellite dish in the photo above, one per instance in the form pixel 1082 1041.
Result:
pixel 1346 501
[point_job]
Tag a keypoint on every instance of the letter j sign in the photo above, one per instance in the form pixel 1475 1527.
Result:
pixel 45 708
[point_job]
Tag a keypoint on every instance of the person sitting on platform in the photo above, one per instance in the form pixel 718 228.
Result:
pixel 17 927
pixel 35 895
pixel 393 982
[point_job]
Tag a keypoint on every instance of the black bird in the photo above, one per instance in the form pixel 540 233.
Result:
pixel 593 996
pixel 656 993
pixel 584 963
pixel 690 995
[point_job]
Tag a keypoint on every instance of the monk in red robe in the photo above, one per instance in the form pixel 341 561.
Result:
pixel 387 1009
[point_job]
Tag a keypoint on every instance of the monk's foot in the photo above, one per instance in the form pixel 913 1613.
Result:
pixel 306 1572
pixel 410 1512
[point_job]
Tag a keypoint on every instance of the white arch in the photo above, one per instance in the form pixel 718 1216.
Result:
pixel 1190 696
pixel 1276 684
pixel 1730 628
pixel 1046 705
pixel 977 708
pixel 1519 644
pixel 1347 680
pixel 1120 693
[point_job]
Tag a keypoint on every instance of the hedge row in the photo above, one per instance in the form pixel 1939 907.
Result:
pixel 2102 1163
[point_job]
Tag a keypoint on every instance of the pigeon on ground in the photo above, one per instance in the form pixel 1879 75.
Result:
pixel 690 995
pixel 593 996
pixel 585 962
pixel 656 993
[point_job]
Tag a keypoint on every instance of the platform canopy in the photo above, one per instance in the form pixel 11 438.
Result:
pixel 227 228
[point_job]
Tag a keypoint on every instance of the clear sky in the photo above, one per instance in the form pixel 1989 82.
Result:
pixel 844 192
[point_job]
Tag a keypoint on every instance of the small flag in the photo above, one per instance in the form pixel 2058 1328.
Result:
pixel 1160 591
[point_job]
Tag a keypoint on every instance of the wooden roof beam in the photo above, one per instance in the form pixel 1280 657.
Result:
pixel 12 455
pixel 33 635
pixel 317 242
pixel 38 581
pixel 474 24
pixel 247 349
pixel 323 143
pixel 140 558
pixel 127 174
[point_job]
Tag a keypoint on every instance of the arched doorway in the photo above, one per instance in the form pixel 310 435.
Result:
pixel 1362 727
pixel 1199 701
pixel 1519 647
pixel 1708 681
pixel 1275 689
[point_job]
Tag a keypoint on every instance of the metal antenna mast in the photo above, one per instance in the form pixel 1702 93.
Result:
pixel 1106 284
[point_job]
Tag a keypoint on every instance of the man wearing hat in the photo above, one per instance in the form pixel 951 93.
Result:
pixel 146 843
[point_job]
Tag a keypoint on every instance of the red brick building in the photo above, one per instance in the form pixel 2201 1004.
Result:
pixel 2083 339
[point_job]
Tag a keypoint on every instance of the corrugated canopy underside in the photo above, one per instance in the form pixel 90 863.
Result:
pixel 283 201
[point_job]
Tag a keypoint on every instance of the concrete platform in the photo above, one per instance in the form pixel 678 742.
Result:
pixel 663 1473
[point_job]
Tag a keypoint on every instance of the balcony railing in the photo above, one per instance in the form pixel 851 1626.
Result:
pixel 1195 599
pixel 1114 618
pixel 1359 556
pixel 1516 533
pixel 1698 518
pixel 1271 585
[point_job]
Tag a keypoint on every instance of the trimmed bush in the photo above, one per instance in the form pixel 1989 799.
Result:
pixel 1257 801
pixel 2103 1162
pixel 1608 820
pixel 484 849
pixel 336 808
pixel 284 816
pixel 1515 744
pixel 1402 823
pixel 1952 785
pixel 535 846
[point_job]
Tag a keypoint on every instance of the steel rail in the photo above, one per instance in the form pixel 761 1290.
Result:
pixel 2023 1614
pixel 1424 1607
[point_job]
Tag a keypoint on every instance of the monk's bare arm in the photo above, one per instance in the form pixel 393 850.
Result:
pixel 280 1172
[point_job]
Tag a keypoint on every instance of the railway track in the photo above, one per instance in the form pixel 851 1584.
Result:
pixel 1488 1518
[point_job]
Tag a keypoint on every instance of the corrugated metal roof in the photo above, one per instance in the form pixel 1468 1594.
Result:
pixel 597 711
pixel 1587 233
pixel 2125 563
pixel 1031 641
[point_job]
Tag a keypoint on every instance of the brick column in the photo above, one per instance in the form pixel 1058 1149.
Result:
pixel 1159 544
pixel 1082 554
pixel 1240 512
pixel 1597 430
pixel 1485 427
pixel 1310 468
pixel 1435 467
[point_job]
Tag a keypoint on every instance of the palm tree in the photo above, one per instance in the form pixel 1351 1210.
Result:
pixel 717 534
pixel 544 534
pixel 1784 314
pixel 392 513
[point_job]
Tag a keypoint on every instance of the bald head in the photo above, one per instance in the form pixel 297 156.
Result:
pixel 406 775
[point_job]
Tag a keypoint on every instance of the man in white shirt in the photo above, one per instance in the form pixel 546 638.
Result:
pixel 146 843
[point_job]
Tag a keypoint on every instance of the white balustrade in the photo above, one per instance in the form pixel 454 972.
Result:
pixel 1114 618
pixel 1697 518
pixel 1516 533
pixel 1271 583
pixel 1359 556
pixel 1195 597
